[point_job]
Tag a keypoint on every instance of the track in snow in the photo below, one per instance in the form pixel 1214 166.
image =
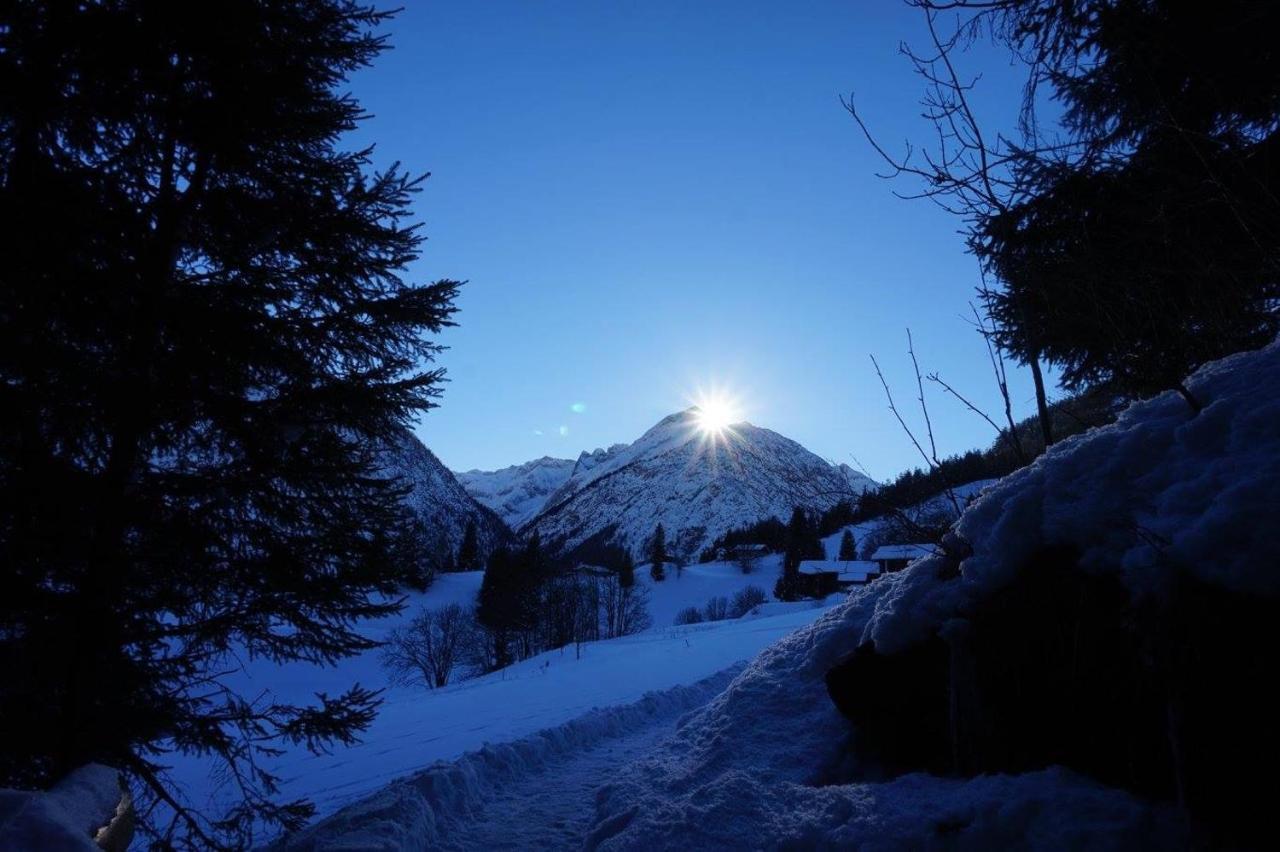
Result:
pixel 553 808
pixel 535 793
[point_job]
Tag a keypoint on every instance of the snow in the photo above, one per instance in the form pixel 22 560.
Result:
pixel 64 819
pixel 543 784
pixel 519 492
pixel 417 727
pixel 694 585
pixel 696 486
pixel 902 551
pixel 1159 487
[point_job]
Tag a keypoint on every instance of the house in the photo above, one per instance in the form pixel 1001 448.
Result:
pixel 895 557
pixel 822 577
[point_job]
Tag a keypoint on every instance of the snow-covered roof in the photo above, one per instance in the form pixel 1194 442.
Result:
pixel 848 570
pixel 903 551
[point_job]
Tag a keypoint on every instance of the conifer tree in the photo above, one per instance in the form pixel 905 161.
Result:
pixel 658 554
pixel 848 547
pixel 469 550
pixel 800 546
pixel 205 342
pixel 626 570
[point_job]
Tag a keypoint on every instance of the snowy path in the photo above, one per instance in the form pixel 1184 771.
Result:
pixel 553 808
pixel 535 793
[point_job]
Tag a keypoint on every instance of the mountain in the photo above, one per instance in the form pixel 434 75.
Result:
pixel 697 486
pixel 519 492
pixel 439 500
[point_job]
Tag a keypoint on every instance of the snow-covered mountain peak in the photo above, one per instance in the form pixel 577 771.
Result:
pixel 697 484
pixel 517 493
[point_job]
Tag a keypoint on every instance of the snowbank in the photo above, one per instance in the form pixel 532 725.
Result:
pixel 432 808
pixel 64 819
pixel 1156 489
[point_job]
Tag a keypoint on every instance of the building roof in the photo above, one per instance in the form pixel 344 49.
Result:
pixel 903 551
pixel 850 570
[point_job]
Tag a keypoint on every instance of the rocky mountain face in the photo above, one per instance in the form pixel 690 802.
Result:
pixel 519 492
pixel 439 500
pixel 697 485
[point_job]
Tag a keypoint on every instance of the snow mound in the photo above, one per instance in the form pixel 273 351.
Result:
pixel 1159 487
pixel 64 819
pixel 432 808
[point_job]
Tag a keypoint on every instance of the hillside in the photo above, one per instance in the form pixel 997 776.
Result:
pixel 441 504
pixel 519 492
pixel 696 485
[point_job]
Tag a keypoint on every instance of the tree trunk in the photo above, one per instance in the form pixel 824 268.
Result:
pixel 1042 402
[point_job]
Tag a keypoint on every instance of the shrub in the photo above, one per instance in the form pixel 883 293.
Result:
pixel 689 615
pixel 746 600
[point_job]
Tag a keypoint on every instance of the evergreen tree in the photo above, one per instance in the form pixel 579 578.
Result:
pixel 498 605
pixel 626 570
pixel 658 554
pixel 205 341
pixel 469 551
pixel 848 548
pixel 786 588
pixel 1142 237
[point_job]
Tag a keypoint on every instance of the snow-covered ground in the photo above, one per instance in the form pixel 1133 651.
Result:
pixel 417 727
pixel 1159 487
pixel 536 792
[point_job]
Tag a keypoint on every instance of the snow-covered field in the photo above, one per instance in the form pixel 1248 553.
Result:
pixel 417 727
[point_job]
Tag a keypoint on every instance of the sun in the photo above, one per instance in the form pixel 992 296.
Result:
pixel 716 414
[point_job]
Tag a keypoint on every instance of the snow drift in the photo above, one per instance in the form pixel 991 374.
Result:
pixel 1156 499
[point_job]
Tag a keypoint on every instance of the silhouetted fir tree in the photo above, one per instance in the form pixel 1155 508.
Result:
pixel 1154 245
pixel 658 554
pixel 798 538
pixel 469 550
pixel 848 547
pixel 498 604
pixel 205 340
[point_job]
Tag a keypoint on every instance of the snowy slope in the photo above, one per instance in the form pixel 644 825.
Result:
pixel 696 486
pixel 417 727
pixel 517 493
pixel 442 505
pixel 1155 487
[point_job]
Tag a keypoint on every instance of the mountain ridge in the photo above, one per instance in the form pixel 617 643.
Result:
pixel 697 484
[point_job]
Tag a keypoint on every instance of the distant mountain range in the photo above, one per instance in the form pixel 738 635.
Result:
pixel 518 492
pixel 696 485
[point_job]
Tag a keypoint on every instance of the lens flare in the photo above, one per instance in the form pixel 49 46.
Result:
pixel 716 413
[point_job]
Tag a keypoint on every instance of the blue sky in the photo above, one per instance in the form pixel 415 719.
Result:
pixel 648 198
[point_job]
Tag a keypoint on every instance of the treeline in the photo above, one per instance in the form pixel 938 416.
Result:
pixel 529 603
pixel 1067 417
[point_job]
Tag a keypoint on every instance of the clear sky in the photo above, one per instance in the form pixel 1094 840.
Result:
pixel 648 198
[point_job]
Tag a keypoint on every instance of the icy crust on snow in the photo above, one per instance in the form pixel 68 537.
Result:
pixel 432 808
pixel 1158 488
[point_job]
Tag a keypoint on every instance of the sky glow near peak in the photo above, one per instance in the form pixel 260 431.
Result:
pixel 629 223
